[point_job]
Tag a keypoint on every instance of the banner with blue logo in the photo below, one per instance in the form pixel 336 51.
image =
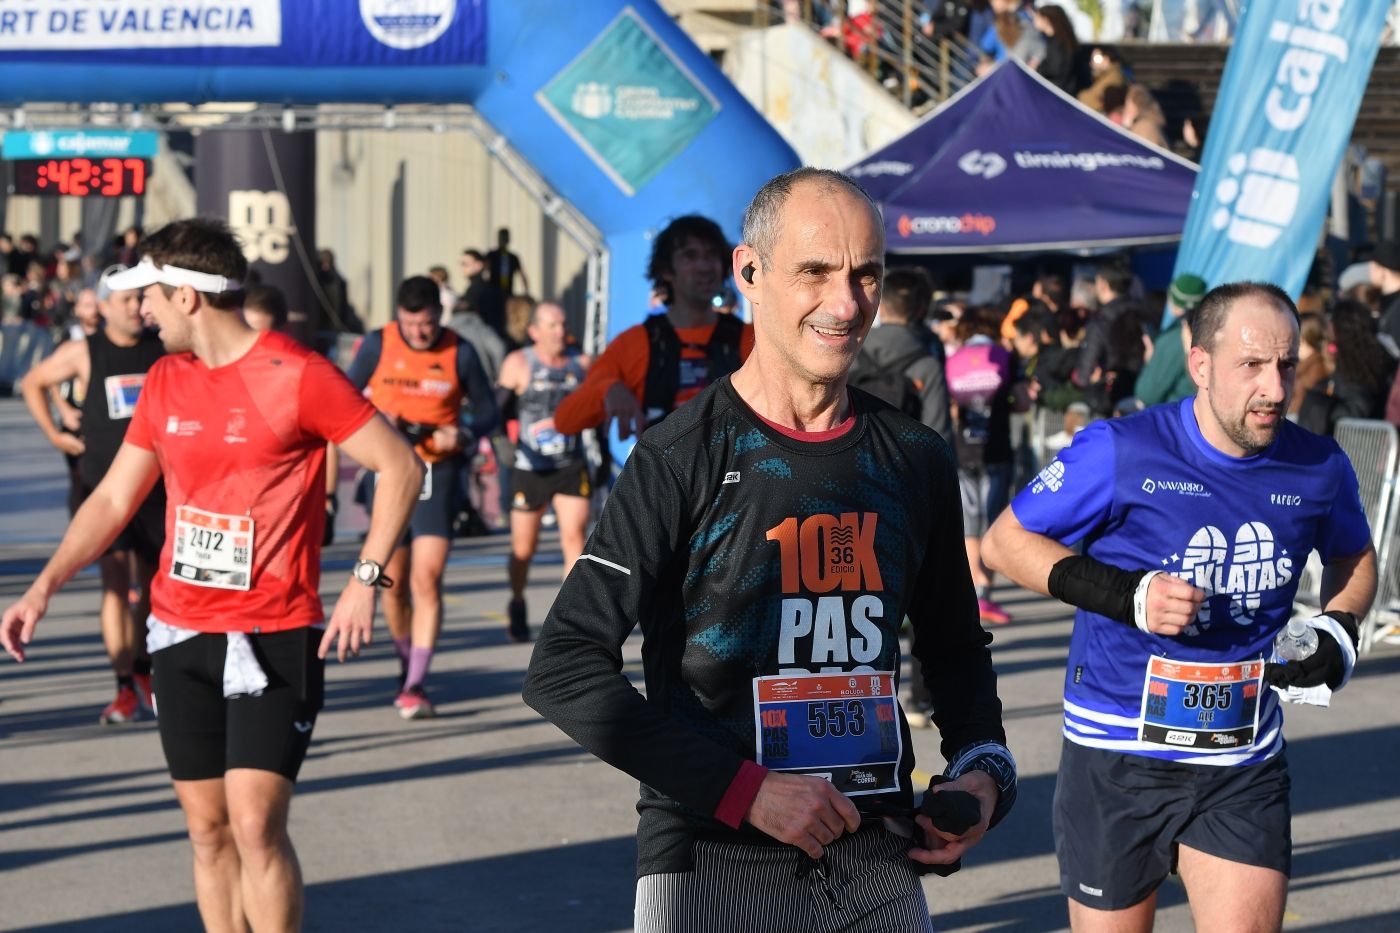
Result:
pixel 303 33
pixel 1293 83
pixel 629 102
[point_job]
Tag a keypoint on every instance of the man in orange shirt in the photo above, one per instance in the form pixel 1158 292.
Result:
pixel 429 383
pixel 652 368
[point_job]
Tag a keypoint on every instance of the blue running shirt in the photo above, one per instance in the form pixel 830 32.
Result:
pixel 1149 492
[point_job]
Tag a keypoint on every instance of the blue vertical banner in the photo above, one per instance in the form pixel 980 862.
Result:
pixel 1293 83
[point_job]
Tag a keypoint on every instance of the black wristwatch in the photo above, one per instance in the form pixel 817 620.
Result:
pixel 371 573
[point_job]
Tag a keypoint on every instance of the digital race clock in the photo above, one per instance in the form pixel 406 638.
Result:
pixel 80 177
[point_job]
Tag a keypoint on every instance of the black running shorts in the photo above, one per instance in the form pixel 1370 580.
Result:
pixel 1119 819
pixel 535 489
pixel 204 734
pixel 144 534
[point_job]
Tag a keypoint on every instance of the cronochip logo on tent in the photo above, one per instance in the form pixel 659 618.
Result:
pixel 983 224
pixel 407 24
pixel 629 102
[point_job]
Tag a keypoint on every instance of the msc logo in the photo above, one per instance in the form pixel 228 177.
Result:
pixel 263 221
pixel 824 552
pixel 1258 197
pixel 987 164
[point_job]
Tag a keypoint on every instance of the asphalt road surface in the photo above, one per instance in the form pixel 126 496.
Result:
pixel 487 818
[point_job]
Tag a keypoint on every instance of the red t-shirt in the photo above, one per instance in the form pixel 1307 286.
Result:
pixel 241 445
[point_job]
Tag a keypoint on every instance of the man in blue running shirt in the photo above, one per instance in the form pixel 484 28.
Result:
pixel 1196 519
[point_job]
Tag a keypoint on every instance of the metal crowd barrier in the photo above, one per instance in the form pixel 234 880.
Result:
pixel 21 346
pixel 1373 448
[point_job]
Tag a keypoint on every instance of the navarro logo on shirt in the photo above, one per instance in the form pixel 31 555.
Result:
pixel 1150 486
pixel 829 554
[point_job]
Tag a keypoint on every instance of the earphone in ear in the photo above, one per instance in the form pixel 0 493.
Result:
pixel 747 273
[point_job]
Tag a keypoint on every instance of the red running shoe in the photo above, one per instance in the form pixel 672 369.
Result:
pixel 144 693
pixel 125 708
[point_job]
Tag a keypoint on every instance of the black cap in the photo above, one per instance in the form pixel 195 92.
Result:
pixel 1387 254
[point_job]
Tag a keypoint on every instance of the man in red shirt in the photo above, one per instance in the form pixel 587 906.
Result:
pixel 236 423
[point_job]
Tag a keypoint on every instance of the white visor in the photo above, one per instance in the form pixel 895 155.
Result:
pixel 148 273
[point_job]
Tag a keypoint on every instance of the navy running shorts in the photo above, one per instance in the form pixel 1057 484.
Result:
pixel 436 509
pixel 204 734
pixel 1119 818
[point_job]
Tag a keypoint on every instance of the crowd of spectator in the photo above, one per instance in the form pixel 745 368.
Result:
pixel 1024 374
pixel 1105 347
pixel 987 32
pixel 41 286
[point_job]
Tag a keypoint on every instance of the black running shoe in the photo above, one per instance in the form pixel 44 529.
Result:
pixel 519 627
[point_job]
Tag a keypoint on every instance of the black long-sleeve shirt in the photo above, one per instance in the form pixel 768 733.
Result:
pixel 742 552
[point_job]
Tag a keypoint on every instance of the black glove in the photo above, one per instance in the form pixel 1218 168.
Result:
pixel 954 812
pixel 1327 665
pixel 332 506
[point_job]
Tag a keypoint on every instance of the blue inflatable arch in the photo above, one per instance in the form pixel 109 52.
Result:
pixel 610 101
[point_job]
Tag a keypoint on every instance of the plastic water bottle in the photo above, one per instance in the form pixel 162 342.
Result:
pixel 1295 641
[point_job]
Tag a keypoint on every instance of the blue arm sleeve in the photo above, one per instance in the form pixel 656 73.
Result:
pixel 485 416
pixel 1073 495
pixel 365 361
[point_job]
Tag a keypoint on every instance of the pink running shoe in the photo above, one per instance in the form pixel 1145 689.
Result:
pixel 991 612
pixel 413 703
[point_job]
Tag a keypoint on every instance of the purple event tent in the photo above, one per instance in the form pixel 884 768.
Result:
pixel 1011 163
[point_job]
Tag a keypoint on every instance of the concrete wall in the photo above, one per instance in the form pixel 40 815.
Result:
pixel 392 204
pixel 825 105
